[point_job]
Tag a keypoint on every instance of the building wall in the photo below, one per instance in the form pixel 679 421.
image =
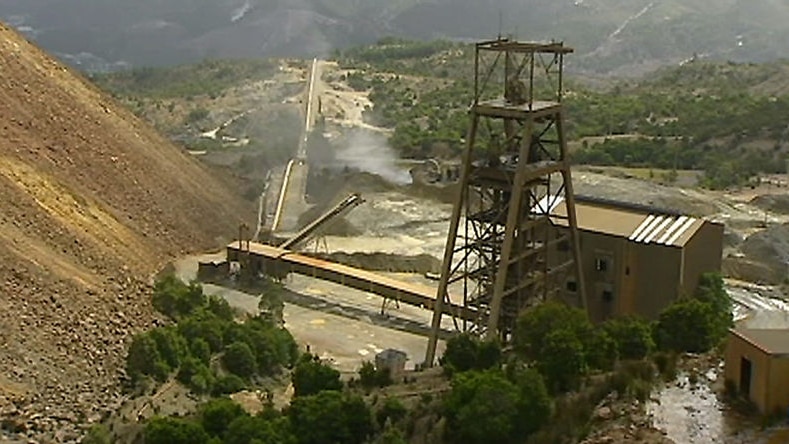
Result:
pixel 736 349
pixel 778 384
pixel 702 253
pixel 656 271
pixel 643 278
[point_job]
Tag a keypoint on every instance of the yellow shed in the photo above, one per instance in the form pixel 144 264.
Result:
pixel 757 365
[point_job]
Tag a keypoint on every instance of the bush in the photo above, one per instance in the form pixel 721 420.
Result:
pixel 217 414
pixel 601 350
pixel 392 410
pixel 633 337
pixel 686 326
pixel 311 377
pixel 465 352
pixel 174 431
pixel 370 377
pixel 562 360
pixel 97 434
pixel 697 324
pixel 534 326
pixel 227 385
pixel 266 427
pixel 239 360
pixel 482 408
pixel 143 358
pixel 176 299
pixel 330 417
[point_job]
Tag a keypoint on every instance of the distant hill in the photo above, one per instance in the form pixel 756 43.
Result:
pixel 92 203
pixel 612 36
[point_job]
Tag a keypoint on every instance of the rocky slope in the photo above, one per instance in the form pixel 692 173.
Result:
pixel 92 203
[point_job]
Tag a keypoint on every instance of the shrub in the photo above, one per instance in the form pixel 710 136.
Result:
pixel 97 434
pixel 330 417
pixel 464 352
pixel 686 326
pixel 633 337
pixel 370 377
pixel 534 326
pixel 482 408
pixel 217 414
pixel 227 385
pixel 312 376
pixel 562 360
pixel 176 299
pixel 601 350
pixel 239 360
pixel 174 431
pixel 143 358
pixel 392 409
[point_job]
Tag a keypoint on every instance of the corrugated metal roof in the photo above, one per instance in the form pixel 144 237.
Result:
pixel 771 341
pixel 636 223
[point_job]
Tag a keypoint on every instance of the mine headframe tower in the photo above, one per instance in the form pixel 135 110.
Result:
pixel 515 172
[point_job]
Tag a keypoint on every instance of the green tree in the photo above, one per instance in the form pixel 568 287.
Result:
pixel 688 325
pixel 601 350
pixel 174 431
pixel 534 326
pixel 266 427
pixel 330 417
pixel 562 360
pixel 312 376
pixel 699 323
pixel 465 352
pixel 534 405
pixel 239 360
pixel 227 385
pixel 370 377
pixel 710 290
pixel 171 345
pixel 175 299
pixel 633 337
pixel 482 408
pixel 144 359
pixel 217 414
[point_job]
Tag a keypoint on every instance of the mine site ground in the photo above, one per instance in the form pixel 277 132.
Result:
pixel 345 326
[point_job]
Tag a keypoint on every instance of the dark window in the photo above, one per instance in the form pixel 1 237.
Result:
pixel 608 295
pixel 601 264
pixel 563 246
pixel 572 286
pixel 627 271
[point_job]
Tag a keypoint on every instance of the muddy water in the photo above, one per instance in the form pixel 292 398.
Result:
pixel 696 414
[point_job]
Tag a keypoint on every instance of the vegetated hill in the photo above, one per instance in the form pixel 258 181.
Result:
pixel 619 36
pixel 92 203
pixel 720 117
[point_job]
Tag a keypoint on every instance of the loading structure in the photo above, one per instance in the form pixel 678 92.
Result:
pixel 514 172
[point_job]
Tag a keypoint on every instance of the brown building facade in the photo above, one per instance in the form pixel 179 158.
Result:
pixel 757 366
pixel 636 259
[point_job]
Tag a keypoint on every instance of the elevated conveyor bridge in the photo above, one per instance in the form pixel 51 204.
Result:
pixel 259 258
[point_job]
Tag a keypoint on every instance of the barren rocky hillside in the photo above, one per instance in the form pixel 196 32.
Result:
pixel 92 203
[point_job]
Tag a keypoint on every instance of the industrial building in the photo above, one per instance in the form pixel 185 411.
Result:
pixel 636 259
pixel 757 366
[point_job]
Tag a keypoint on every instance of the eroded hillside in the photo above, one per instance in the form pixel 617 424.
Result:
pixel 92 203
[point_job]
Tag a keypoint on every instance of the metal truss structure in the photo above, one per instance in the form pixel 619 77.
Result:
pixel 515 171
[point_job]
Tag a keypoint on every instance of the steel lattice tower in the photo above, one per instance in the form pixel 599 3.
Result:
pixel 515 171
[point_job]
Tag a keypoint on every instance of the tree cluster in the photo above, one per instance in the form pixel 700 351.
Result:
pixel 329 417
pixel 206 328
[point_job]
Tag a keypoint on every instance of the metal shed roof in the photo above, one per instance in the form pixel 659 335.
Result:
pixel 771 341
pixel 639 224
